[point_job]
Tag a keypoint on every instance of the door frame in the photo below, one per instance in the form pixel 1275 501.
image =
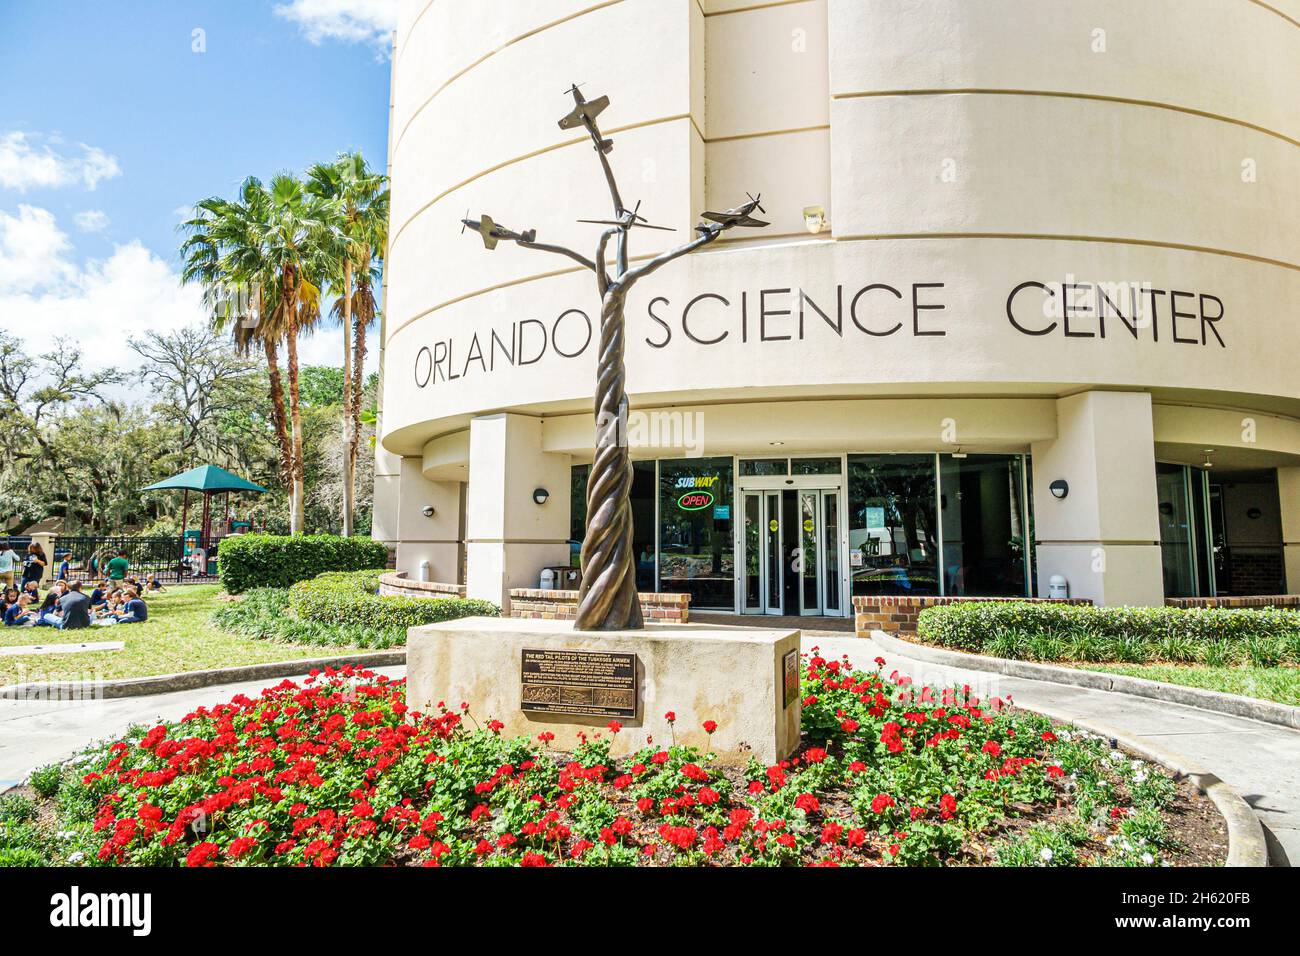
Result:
pixel 835 484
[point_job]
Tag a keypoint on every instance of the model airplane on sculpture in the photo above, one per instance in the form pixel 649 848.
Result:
pixel 638 222
pixel 608 599
pixel 492 233
pixel 740 216
pixel 584 114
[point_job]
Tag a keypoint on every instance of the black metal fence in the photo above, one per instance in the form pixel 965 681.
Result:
pixel 170 558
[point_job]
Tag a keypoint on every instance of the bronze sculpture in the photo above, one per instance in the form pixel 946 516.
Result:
pixel 608 598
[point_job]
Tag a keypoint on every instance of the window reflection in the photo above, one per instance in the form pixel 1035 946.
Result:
pixel 696 554
pixel 893 537
pixel 982 508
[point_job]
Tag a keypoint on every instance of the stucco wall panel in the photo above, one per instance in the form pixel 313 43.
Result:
pixel 507 108
pixel 791 170
pixel 1229 57
pixel 1035 165
pixel 766 70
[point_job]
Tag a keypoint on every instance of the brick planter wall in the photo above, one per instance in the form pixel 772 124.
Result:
pixel 563 605
pixel 397 584
pixel 898 614
pixel 1252 600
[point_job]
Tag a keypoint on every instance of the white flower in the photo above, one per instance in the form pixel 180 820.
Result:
pixel 1148 859
pixel 76 857
pixel 1046 854
pixel 1140 777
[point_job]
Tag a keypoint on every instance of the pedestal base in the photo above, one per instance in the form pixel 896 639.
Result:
pixel 744 679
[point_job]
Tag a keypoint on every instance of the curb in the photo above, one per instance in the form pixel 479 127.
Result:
pixel 191 680
pixel 1265 711
pixel 1246 844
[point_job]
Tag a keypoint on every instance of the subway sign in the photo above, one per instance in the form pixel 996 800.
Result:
pixel 696 491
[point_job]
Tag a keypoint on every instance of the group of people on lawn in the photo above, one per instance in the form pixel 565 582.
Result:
pixel 114 600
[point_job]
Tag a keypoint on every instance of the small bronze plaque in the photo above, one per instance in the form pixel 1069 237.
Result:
pixel 790 665
pixel 590 683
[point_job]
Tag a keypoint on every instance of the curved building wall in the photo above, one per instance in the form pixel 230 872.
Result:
pixel 1027 202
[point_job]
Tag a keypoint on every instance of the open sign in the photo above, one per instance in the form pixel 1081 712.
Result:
pixel 695 500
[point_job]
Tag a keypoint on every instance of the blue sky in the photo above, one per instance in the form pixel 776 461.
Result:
pixel 118 115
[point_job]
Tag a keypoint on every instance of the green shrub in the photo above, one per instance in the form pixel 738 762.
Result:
pixel 278 561
pixel 352 599
pixel 339 609
pixel 46 780
pixel 1214 636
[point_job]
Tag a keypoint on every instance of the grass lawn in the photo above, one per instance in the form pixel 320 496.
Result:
pixel 1281 684
pixel 179 636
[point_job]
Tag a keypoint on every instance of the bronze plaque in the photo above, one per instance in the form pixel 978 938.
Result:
pixel 589 683
pixel 790 666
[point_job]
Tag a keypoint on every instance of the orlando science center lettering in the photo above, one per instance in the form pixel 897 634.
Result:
pixel 752 318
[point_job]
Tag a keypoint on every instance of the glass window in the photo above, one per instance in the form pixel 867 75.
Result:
pixel 759 467
pixel 815 466
pixel 893 536
pixel 577 512
pixel 695 531
pixel 1176 537
pixel 981 501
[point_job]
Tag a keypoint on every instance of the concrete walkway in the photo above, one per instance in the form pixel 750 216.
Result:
pixel 1260 761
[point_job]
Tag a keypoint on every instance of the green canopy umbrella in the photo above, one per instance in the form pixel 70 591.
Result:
pixel 210 480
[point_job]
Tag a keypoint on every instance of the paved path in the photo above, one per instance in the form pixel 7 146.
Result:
pixel 1260 761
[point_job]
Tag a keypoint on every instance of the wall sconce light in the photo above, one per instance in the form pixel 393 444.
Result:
pixel 1059 488
pixel 427 511
pixel 814 218
pixel 540 495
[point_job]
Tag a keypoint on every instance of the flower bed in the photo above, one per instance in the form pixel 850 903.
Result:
pixel 339 772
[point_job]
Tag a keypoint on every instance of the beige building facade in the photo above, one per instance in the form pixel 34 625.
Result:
pixel 1025 313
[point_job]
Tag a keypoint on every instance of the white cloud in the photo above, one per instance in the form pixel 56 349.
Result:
pixel 26 163
pixel 352 21
pixel 98 305
pixel 92 220
pixel 33 252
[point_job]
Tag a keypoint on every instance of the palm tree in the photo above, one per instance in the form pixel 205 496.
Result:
pixel 224 254
pixel 296 232
pixel 358 198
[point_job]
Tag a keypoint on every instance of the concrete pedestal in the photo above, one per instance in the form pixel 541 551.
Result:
pixel 734 676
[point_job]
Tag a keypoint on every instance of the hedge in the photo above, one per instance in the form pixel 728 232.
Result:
pixel 352 599
pixel 279 561
pixel 1041 631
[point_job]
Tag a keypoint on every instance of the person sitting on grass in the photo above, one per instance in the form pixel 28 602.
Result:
pixel 7 597
pixel 132 611
pixel 19 614
pixel 49 608
pixel 152 584
pixel 74 609
pixel 99 594
pixel 32 590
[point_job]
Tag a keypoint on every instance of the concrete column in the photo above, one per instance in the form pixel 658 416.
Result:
pixel 46 541
pixel 1104 536
pixel 1288 493
pixel 509 537
pixel 387 496
pixel 427 537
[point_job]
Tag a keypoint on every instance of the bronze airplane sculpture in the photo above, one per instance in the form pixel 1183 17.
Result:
pixel 607 599
pixel 740 216
pixel 584 114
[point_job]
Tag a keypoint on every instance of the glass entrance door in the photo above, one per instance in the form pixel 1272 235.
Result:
pixel 764 580
pixel 792 559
